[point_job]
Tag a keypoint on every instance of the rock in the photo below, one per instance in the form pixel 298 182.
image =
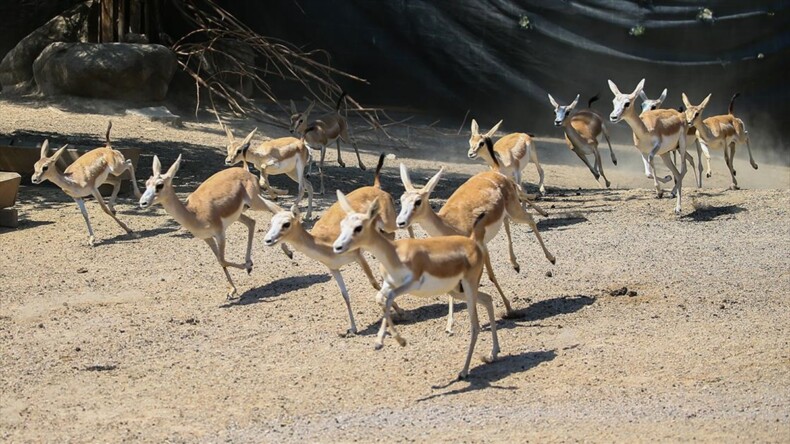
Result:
pixel 16 69
pixel 549 274
pixel 124 71
pixel 157 114
pixel 632 293
pixel 619 292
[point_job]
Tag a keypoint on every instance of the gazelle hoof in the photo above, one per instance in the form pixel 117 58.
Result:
pixel 734 187
pixel 401 341
pixel 517 267
pixel 707 175
pixel 378 346
pixel 552 259
pixel 677 211
pixel 463 375
pixel 754 165
pixel 488 358
pixel 362 166
pixel 91 241
pixel 449 331
pixel 608 184
pixel 248 267
pixel 342 164
pixel 350 333
pixel 734 173
pixel 614 162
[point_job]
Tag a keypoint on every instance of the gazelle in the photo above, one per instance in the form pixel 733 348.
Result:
pixel 719 132
pixel 582 130
pixel 284 155
pixel 490 193
pixel 422 267
pixel 691 138
pixel 217 203
pixel 656 133
pixel 319 133
pixel 85 175
pixel 515 151
pixel 317 243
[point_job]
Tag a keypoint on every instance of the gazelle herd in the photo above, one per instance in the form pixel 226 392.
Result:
pixel 451 261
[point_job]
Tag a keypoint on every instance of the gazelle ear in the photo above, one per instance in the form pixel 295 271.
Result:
pixel 293 107
pixel 614 89
pixel 553 102
pixel 344 203
pixel 58 153
pixel 638 88
pixel 174 167
pixel 156 168
pixel 663 95
pixel 373 209
pixel 432 183
pixel 271 206
pixel 249 137
pixel 705 102
pixel 686 102
pixel 295 210
pixel 404 177
pixel 493 130
pixel 44 148
pixel 475 128
pixel 227 132
pixel 575 101
pixel 643 95
pixel 308 110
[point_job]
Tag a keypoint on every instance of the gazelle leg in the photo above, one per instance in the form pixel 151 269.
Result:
pixel 656 147
pixel 749 148
pixel 609 142
pixel 699 162
pixel 386 298
pixel 213 245
pixel 519 215
pixel 450 315
pixel 599 166
pixel 130 167
pixel 339 279
pixel 697 178
pixel 486 301
pixel 732 158
pixel 220 240
pixel 250 223
pixel 321 168
pixel 471 303
pixel 513 260
pixel 492 278
pixel 339 160
pixel 728 161
pixel 533 154
pixel 104 207
pixel 116 186
pixel 581 156
pixel 706 153
pixel 368 272
pixel 347 138
pixel 304 184
pixel 671 167
pixel 81 204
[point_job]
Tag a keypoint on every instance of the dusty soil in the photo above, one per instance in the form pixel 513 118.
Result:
pixel 133 340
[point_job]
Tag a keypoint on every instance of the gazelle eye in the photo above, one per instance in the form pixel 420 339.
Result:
pixel 626 104
pixel 287 225
pixel 417 202
pixel 44 168
pixel 159 186
pixel 358 229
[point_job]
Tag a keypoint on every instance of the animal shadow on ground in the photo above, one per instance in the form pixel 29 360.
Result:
pixel 559 223
pixel 707 213
pixel 276 288
pixel 423 313
pixel 483 376
pixel 546 309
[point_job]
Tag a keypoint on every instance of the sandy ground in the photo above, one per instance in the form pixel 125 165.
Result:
pixel 133 340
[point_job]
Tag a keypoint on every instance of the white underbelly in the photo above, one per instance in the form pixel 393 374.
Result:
pixel 282 167
pixel 494 228
pixel 432 285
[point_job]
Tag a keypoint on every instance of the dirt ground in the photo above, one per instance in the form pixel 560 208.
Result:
pixel 133 339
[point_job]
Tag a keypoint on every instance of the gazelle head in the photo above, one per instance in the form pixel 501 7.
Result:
pixel 622 103
pixel 477 140
pixel 355 228
pixel 693 113
pixel 158 182
pixel 283 222
pixel 649 104
pixel 561 113
pixel 414 202
pixel 299 120
pixel 46 165
pixel 237 149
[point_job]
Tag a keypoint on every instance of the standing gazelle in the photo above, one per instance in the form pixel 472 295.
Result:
pixel 490 193
pixel 317 243
pixel 85 175
pixel 720 132
pixel 321 132
pixel 656 133
pixel 217 203
pixel 514 150
pixel 582 130
pixel 422 267
pixel 284 155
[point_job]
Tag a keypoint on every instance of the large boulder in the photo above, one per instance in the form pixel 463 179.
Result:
pixel 125 71
pixel 16 69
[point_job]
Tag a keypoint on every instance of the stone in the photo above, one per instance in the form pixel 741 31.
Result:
pixel 16 68
pixel 157 114
pixel 122 71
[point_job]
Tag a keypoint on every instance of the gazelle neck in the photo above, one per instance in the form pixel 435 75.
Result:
pixel 433 224
pixel 384 250
pixel 64 181
pixel 305 242
pixel 703 131
pixel 572 134
pixel 637 125
pixel 176 209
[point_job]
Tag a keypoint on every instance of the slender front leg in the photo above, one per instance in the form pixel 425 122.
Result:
pixel 492 278
pixel 527 219
pixel 471 304
pixel 599 166
pixel 339 279
pixel 250 223
pixel 513 260
pixel 213 245
pixel 534 157
pixel 450 315
pixel 728 161
pixel 104 207
pixel 81 204
pixel 116 186
pixel 650 156
pixel 706 152
pixel 749 148
pixel 410 230
pixel 486 301
pixel 346 136
pixel 386 298
pixel 339 160
pixel 304 186
pixel 321 168
pixel 368 272
pixel 581 156
pixel 130 167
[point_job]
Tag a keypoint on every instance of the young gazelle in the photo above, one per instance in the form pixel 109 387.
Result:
pixel 317 243
pixel 514 150
pixel 319 133
pixel 582 130
pixel 85 175
pixel 422 267
pixel 719 132
pixel 656 133
pixel 210 209
pixel 691 138
pixel 285 155
pixel 490 193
